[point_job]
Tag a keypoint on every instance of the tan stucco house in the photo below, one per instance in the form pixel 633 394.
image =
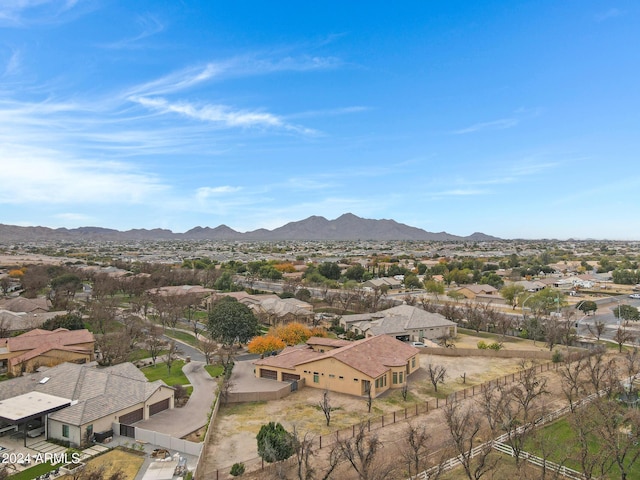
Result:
pixel 44 348
pixel 376 364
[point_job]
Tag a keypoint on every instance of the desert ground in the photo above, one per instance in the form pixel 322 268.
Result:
pixel 233 438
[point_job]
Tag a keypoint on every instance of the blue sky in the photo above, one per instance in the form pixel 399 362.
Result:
pixel 518 119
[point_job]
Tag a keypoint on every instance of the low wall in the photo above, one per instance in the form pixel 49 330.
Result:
pixel 239 397
pixel 477 352
pixel 165 441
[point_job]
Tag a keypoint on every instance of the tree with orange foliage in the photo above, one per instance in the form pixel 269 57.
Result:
pixel 266 344
pixel 285 267
pixel 16 273
pixel 292 333
pixel 318 332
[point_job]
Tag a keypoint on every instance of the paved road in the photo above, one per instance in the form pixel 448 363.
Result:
pixel 180 422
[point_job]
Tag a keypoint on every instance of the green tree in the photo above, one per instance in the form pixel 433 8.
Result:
pixel 510 293
pixel 436 288
pixel 274 442
pixel 70 321
pixel 329 270
pixel 587 306
pixel 411 281
pixel 355 272
pixel 626 312
pixel 231 321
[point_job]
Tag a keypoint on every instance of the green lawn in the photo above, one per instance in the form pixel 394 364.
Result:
pixel 160 372
pixel 561 433
pixel 33 472
pixel 214 370
pixel 185 337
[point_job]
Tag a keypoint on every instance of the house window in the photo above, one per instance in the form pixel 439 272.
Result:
pixel 331 375
pixel 413 362
pixel 65 431
pixel 355 379
pixel 400 377
pixel 316 377
pixel 341 377
pixel 395 378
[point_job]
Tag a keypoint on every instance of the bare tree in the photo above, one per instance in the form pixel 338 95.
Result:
pixel 414 450
pixel 623 336
pixel 593 461
pixel 597 329
pixel 572 382
pixel 325 406
pixel 363 454
pixel 154 342
pixel 171 355
pixel 437 374
pixel 601 372
pixel 465 429
pixel 113 348
pixel 208 348
pixel 303 451
pixel 618 433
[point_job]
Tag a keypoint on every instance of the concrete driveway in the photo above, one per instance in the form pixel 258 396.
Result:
pixel 180 422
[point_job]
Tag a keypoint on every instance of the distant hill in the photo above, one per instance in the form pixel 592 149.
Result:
pixel 345 227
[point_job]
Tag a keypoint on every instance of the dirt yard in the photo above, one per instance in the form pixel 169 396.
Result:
pixel 233 438
pixel 117 459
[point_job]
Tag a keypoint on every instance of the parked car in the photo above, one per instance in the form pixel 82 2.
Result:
pixel 634 295
pixel 417 344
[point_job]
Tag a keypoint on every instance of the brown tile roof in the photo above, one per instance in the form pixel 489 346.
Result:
pixel 60 337
pixel 329 342
pixel 372 356
pixel 290 357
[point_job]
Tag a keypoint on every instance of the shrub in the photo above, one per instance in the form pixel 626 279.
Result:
pixel 237 469
pixel 496 346
pixel 556 357
pixel 482 345
pixel 274 442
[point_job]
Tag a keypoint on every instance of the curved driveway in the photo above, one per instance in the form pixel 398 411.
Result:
pixel 179 422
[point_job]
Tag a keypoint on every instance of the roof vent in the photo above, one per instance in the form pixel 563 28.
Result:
pixel 44 380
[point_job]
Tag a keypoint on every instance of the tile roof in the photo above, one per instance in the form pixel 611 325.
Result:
pixel 99 391
pixel 372 356
pixel 22 304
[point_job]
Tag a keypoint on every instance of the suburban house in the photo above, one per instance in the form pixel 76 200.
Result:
pixel 272 309
pixel 403 322
pixel 473 291
pixel 385 282
pixel 72 402
pixel 37 348
pixel 369 366
pixel 26 305
pixel 531 286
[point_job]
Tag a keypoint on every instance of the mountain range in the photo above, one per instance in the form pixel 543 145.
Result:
pixel 345 227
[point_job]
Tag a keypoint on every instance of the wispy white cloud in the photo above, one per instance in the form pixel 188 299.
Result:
pixel 501 124
pixel 69 217
pixel 459 192
pixel 51 176
pixel 149 25
pixel 25 12
pixel 203 193
pixel 219 114
pixel 330 112
pixel 177 81
pixel 13 65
